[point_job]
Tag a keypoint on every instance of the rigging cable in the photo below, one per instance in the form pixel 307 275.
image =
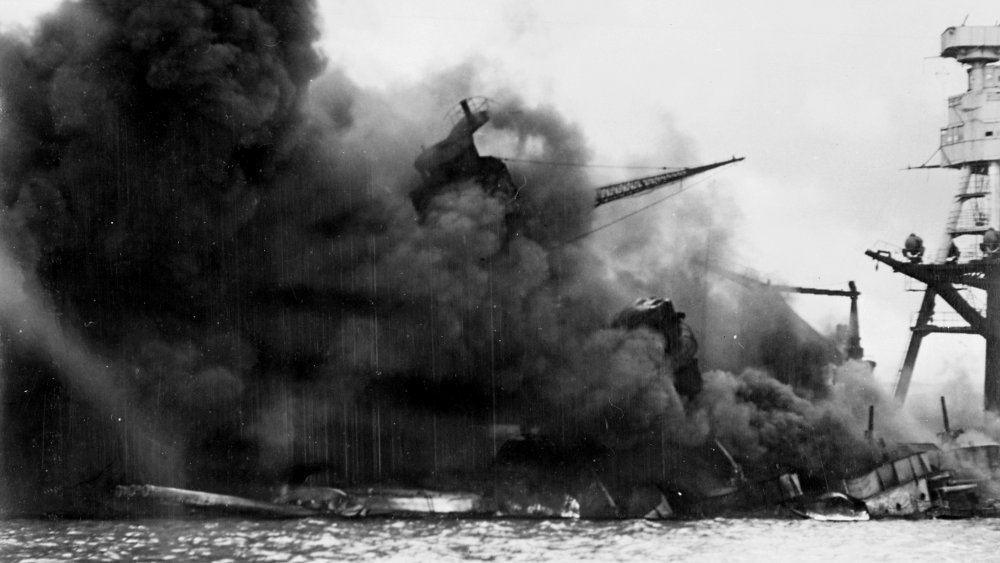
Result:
pixel 583 165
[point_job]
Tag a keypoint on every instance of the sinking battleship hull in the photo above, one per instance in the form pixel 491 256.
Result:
pixel 895 488
pixel 529 479
pixel 958 482
pixel 593 502
pixel 968 484
pixel 403 435
pixel 371 502
pixel 310 502
pixel 647 503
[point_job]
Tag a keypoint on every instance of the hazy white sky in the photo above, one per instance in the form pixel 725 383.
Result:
pixel 828 102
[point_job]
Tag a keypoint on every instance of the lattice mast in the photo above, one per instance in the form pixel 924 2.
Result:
pixel 970 143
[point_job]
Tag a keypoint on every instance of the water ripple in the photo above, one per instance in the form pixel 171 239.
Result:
pixel 442 541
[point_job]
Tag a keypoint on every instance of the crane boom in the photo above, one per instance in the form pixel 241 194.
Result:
pixel 854 349
pixel 606 194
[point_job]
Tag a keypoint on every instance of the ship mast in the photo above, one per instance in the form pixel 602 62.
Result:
pixel 970 143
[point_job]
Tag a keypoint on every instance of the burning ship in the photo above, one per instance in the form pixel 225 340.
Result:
pixel 965 265
pixel 218 279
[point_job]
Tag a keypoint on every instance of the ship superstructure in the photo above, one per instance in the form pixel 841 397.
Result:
pixel 968 258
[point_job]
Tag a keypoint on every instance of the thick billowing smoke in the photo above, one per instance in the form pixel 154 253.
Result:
pixel 233 233
pixel 138 141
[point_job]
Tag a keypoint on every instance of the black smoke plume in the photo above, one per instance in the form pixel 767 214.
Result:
pixel 228 230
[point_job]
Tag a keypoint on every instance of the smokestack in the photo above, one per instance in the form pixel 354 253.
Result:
pixel 854 349
pixel 944 417
pixel 948 435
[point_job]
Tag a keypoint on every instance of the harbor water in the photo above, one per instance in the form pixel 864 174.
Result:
pixel 220 540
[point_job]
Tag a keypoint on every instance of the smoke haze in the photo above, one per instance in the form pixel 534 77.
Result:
pixel 226 226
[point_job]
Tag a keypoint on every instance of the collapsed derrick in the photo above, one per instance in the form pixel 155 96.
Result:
pixel 679 344
pixel 456 158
